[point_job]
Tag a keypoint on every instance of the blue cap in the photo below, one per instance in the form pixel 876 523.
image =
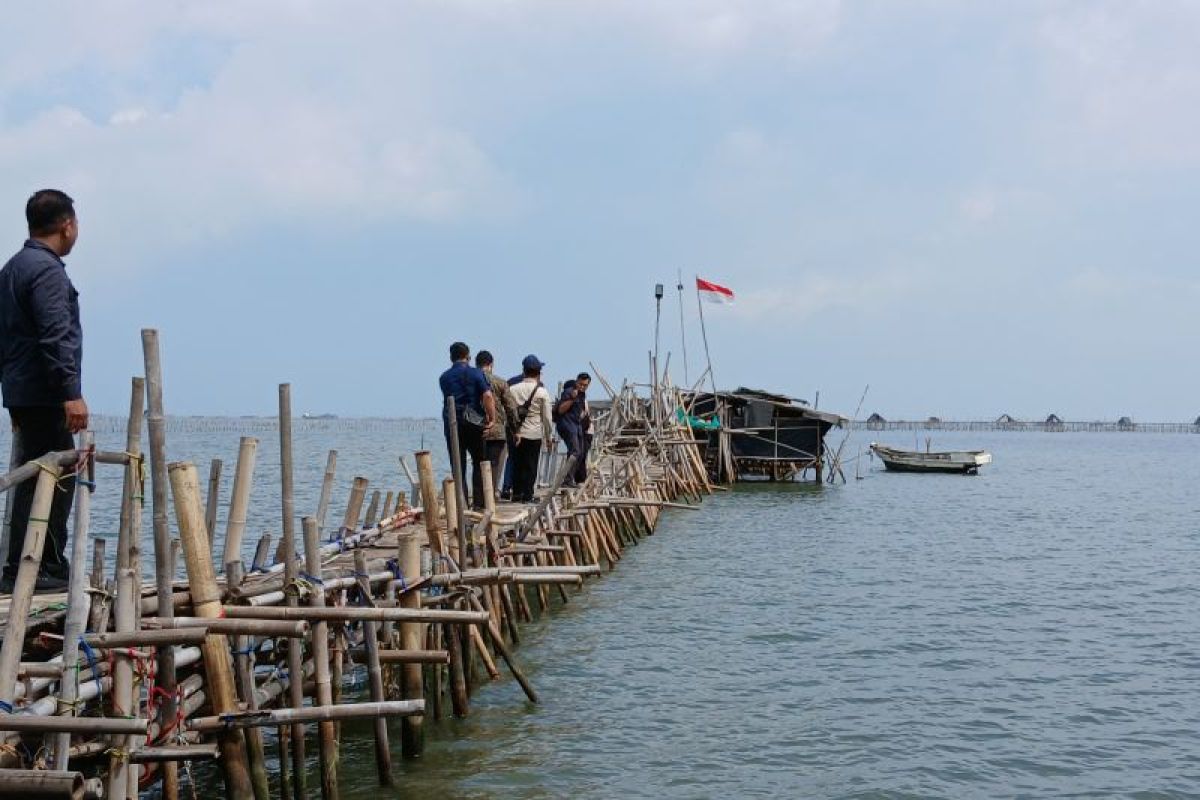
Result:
pixel 532 362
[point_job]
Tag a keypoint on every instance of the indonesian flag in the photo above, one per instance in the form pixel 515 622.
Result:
pixel 714 293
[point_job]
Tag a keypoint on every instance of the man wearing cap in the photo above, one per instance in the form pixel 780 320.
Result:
pixel 534 432
pixel 475 408
pixel 41 355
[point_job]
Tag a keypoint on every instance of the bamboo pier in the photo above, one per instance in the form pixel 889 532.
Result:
pixel 115 688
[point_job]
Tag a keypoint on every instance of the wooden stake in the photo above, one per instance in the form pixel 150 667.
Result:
pixel 327 731
pixel 214 498
pixel 412 730
pixel 78 600
pixel 163 574
pixel 243 667
pixel 326 491
pixel 433 531
pixel 295 657
pixel 206 601
pixel 383 756
pixel 22 595
pixel 239 501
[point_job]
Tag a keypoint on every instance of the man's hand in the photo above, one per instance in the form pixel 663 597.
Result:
pixel 77 415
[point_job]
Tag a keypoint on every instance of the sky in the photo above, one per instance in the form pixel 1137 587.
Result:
pixel 975 208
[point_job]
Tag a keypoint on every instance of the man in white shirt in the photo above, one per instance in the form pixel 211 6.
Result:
pixel 534 414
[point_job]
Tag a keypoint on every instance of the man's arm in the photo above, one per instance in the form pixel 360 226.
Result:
pixel 489 409
pixel 547 429
pixel 58 341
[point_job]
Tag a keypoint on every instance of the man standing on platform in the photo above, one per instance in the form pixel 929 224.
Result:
pixel 495 438
pixel 475 408
pixel 533 433
pixel 41 360
pixel 571 422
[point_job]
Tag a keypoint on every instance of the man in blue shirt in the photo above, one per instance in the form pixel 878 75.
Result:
pixel 571 423
pixel 41 360
pixel 475 408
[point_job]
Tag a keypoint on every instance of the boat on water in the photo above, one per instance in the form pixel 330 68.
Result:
pixel 961 462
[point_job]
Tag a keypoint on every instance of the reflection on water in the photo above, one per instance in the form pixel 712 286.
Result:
pixel 1029 632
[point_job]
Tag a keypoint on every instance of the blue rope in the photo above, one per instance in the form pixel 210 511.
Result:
pixel 90 654
pixel 313 579
pixel 6 707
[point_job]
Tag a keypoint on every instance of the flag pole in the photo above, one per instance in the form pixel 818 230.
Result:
pixel 704 335
pixel 682 330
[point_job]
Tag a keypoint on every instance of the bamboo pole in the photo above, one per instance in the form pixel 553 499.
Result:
pixel 39 783
pixel 260 552
pixel 295 655
pixel 502 648
pixel 238 627
pixel 243 667
pixel 383 756
pixel 239 501
pixel 326 730
pixel 458 684
pixel 78 600
pixel 163 574
pixel 206 598
pixel 30 723
pixel 300 716
pixel 214 499
pixel 326 491
pixel 22 595
pixel 372 510
pixel 413 484
pixel 412 728
pixel 345 614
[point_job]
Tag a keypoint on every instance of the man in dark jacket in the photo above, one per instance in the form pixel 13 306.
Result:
pixel 475 407
pixel 41 360
pixel 572 421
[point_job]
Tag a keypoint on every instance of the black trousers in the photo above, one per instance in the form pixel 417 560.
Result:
pixel 495 451
pixel 572 437
pixel 39 431
pixel 525 464
pixel 470 442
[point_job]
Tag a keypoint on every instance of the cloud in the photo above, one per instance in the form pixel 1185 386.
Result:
pixel 808 294
pixel 203 120
pixel 1122 81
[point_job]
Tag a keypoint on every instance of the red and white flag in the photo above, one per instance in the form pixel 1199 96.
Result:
pixel 713 292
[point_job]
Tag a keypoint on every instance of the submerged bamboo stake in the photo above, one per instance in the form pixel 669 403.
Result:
pixel 326 491
pixel 206 599
pixel 239 501
pixel 372 509
pixel 77 599
pixel 122 781
pixel 458 684
pixel 22 595
pixel 383 756
pixel 163 572
pixel 327 732
pixel 214 499
pixel 295 655
pixel 243 667
pixel 412 728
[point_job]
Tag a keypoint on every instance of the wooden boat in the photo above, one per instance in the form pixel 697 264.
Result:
pixel 962 462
